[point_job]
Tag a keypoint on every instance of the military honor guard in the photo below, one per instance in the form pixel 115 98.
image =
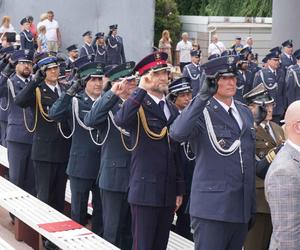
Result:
pixel 72 55
pixel 156 183
pixel 115 158
pixel 252 63
pixel 5 53
pixel 273 79
pixel 14 77
pixel 287 58
pixel 180 93
pixel 100 48
pixel 194 71
pixel 269 139
pixel 221 133
pixel 50 150
pixel 243 77
pixel 115 47
pixel 85 153
pixel 87 48
pixel 26 37
pixel 293 80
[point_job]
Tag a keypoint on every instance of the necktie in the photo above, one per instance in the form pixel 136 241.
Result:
pixel 26 81
pixel 268 130
pixel 233 118
pixel 162 105
pixel 56 91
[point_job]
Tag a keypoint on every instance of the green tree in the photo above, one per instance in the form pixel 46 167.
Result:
pixel 261 8
pixel 166 18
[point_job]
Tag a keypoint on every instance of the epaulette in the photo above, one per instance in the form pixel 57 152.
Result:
pixel 240 103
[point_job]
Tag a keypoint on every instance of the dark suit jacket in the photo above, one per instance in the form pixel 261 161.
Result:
pixel 16 130
pixel 115 50
pixel 84 161
pixel 156 175
pixel 115 159
pixel 48 143
pixel 223 189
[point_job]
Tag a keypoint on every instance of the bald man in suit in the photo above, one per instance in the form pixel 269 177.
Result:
pixel 282 186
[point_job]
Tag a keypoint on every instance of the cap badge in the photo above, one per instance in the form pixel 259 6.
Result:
pixel 230 59
pixel 157 56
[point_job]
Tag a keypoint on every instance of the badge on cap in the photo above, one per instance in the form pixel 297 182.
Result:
pixel 230 59
pixel 128 66
pixel 157 56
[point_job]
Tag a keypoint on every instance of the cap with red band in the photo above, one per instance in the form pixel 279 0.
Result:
pixel 155 61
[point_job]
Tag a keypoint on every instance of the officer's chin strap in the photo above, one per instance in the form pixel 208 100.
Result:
pixel 215 144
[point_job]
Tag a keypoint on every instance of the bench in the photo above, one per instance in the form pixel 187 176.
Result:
pixel 46 221
pixel 176 242
pixel 5 246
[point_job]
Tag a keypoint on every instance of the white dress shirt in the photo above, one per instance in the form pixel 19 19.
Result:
pixel 166 108
pixel 53 88
pixel 235 112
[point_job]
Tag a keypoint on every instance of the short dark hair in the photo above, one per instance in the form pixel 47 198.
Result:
pixel 50 12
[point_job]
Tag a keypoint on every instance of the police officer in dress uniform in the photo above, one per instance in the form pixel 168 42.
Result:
pixel 194 71
pixel 84 161
pixel 87 48
pixel 269 139
pixel 115 47
pixel 20 122
pixel 287 58
pixel 243 77
pixel 115 164
pixel 26 37
pixel 156 182
pixel 273 79
pixel 50 150
pixel 100 48
pixel 180 93
pixel 72 55
pixel 222 137
pixel 293 80
pixel 5 53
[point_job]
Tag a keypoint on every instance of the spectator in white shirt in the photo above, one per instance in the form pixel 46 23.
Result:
pixel 183 49
pixel 6 26
pixel 52 32
pixel 216 47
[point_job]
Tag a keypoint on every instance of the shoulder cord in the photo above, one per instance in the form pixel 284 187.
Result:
pixel 9 85
pixel 101 54
pixel 29 40
pixel 151 134
pixel 295 76
pixel 186 147
pixel 137 136
pixel 216 146
pixel 263 80
pixel 75 114
pixel 41 109
pixel 193 78
pixel 112 46
pixel 13 94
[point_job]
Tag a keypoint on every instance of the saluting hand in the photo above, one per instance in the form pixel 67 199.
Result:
pixel 145 82
pixel 119 88
pixel 178 202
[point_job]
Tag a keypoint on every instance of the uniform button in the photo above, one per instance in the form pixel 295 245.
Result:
pixel 114 164
pixel 143 178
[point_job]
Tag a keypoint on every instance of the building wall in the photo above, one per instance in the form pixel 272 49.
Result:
pixel 135 19
pixel 228 28
pixel 286 22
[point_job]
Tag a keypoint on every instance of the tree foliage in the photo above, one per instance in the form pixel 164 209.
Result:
pixel 166 18
pixel 261 8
